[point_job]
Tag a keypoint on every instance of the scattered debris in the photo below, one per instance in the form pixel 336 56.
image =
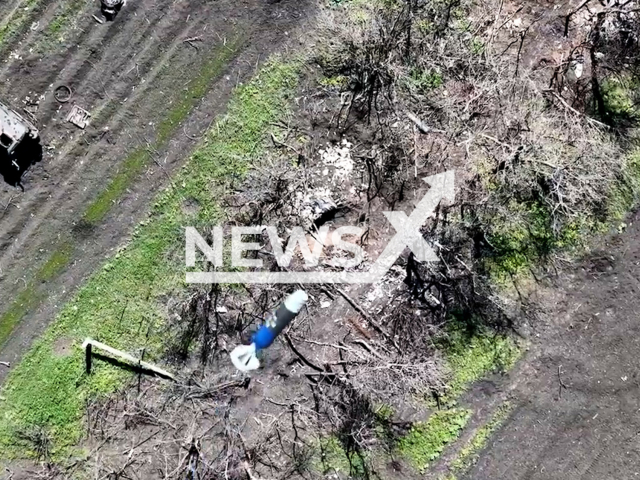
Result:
pixel 338 157
pixel 314 204
pixel 421 125
pixel 362 312
pixel 7 205
pixel 577 64
pixel 78 116
pixel 191 41
pixel 99 20
pixel 29 114
pixel 31 105
pixel 90 344
pixel 323 210
pixel 62 94
pixel 561 384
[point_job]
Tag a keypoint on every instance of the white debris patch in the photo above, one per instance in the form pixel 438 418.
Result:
pixel 338 157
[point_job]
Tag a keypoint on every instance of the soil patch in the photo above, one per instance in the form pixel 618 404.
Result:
pixel 63 347
pixel 577 396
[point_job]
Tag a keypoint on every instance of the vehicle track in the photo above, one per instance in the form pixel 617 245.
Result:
pixel 74 173
pixel 65 165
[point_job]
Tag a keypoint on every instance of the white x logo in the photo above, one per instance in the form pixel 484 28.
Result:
pixel 409 235
pixel 408 227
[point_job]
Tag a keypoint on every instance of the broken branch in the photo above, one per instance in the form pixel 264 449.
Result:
pixel 89 344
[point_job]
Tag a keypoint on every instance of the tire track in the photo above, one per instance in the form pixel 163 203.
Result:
pixel 21 231
pixel 25 35
pixel 611 454
pixel 50 206
pixel 82 74
pixel 263 25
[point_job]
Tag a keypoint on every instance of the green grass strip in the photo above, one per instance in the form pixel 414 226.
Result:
pixel 472 356
pixel 137 160
pixel 426 440
pixel 17 21
pixel 30 297
pixel 331 458
pixel 119 304
pixel 468 455
pixel 127 173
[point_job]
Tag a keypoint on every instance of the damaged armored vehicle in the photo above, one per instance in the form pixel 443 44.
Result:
pixel 14 130
pixel 19 145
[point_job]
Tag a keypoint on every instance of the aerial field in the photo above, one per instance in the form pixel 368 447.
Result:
pixel 429 203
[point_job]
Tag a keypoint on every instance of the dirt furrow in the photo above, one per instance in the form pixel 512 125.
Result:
pixel 28 29
pixel 7 10
pixel 64 165
pixel 129 74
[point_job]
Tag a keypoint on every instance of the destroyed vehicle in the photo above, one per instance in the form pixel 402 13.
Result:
pixel 14 129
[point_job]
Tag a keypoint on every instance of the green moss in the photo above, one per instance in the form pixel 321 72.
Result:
pixel 337 81
pixel 383 428
pixel 472 355
pixel 384 412
pixel 468 455
pixel 520 239
pixel 426 440
pixel 425 26
pixel 617 94
pixel 525 238
pixel 425 80
pixel 476 46
pixel 118 304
